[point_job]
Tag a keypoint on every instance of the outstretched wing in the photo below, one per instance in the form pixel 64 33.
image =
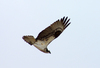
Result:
pixel 54 30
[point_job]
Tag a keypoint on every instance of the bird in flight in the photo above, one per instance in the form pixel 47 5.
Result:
pixel 48 34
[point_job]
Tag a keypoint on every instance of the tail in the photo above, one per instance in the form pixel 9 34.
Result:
pixel 29 39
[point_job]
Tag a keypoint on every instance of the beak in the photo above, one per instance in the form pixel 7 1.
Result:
pixel 50 52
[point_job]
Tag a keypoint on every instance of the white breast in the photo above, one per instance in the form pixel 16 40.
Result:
pixel 41 45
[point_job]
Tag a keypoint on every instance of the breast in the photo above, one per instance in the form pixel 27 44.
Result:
pixel 41 45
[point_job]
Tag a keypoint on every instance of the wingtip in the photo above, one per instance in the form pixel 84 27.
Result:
pixel 69 22
pixel 67 25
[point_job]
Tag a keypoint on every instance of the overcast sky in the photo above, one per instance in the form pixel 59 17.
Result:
pixel 77 47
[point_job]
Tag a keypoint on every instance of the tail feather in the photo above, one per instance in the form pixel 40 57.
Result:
pixel 29 39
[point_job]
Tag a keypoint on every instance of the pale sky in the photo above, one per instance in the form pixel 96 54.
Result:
pixel 77 47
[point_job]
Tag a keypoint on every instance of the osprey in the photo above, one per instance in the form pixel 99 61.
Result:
pixel 48 34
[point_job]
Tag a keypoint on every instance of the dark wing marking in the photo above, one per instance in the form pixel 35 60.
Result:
pixel 54 29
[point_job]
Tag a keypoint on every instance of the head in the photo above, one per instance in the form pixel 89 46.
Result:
pixel 46 51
